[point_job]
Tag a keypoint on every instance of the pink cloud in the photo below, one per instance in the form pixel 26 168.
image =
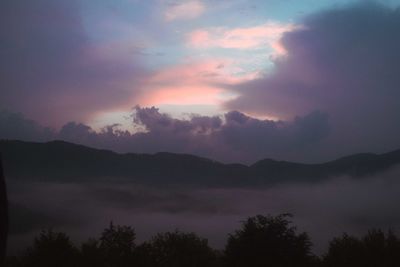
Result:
pixel 241 38
pixel 188 95
pixel 184 10
pixel 200 82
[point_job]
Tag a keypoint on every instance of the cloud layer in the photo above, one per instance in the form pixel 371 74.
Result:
pixel 51 69
pixel 240 38
pixel 235 137
pixel 345 62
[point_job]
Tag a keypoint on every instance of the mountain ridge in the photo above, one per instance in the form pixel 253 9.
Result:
pixel 61 161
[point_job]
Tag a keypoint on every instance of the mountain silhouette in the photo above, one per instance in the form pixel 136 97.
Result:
pixel 60 161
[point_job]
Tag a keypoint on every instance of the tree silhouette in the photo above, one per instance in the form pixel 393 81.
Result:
pixel 91 254
pixel 268 241
pixel 115 247
pixel 261 241
pixel 375 249
pixel 176 249
pixel 344 251
pixel 3 215
pixel 392 250
pixel 51 249
pixel 117 244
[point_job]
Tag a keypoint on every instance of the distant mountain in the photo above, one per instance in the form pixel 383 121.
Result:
pixel 60 161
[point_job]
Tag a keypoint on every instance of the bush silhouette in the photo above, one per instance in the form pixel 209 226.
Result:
pixel 51 249
pixel 3 215
pixel 114 248
pixel 375 249
pixel 261 241
pixel 176 249
pixel 91 255
pixel 268 241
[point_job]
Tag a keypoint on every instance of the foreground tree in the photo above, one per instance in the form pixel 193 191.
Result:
pixel 91 255
pixel 268 241
pixel 375 249
pixel 176 249
pixel 3 215
pixel 115 247
pixel 51 249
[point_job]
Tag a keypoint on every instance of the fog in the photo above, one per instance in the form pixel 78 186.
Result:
pixel 324 210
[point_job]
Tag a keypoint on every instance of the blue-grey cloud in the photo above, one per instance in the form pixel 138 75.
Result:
pixel 235 137
pixel 345 62
pixel 50 68
pixel 16 126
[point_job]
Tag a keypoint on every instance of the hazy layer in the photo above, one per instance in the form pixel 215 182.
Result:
pixel 324 210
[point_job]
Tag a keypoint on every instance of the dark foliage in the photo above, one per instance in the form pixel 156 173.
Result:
pixel 3 214
pixel 115 247
pixel 261 241
pixel 49 249
pixel 117 244
pixel 177 249
pixel 376 249
pixel 268 241
pixel 91 255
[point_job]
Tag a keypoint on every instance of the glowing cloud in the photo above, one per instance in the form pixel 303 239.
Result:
pixel 192 83
pixel 186 95
pixel 267 34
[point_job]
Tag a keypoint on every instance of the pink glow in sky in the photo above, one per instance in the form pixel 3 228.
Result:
pixel 240 38
pixel 93 61
pixel 192 83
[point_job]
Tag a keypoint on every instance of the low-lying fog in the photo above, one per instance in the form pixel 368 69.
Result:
pixel 323 210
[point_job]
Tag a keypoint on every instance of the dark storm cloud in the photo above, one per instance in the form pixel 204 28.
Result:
pixel 51 70
pixel 16 126
pixel 234 137
pixel 345 62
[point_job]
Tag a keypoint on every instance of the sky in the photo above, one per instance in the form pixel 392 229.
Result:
pixel 232 80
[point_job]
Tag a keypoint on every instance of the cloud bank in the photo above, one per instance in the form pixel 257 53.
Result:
pixel 241 38
pixel 345 62
pixel 234 137
pixel 52 70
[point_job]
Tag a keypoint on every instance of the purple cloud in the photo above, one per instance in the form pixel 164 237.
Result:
pixel 344 62
pixel 16 126
pixel 235 137
pixel 51 70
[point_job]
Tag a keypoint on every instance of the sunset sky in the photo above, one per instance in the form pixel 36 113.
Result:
pixel 233 80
